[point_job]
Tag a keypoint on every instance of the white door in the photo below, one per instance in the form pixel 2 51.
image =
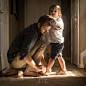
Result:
pixel 75 32
pixel 4 33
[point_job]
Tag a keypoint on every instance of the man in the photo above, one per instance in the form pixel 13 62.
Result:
pixel 27 48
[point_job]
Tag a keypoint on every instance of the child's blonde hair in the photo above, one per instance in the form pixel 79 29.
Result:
pixel 57 7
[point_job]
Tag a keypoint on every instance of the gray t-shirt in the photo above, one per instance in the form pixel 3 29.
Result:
pixel 56 33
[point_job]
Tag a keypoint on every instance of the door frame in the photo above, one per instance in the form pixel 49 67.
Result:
pixel 7 38
pixel 8 28
pixel 72 37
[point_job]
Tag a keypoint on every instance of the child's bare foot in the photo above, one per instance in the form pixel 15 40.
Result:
pixel 61 72
pixel 48 71
pixel 11 72
pixel 31 73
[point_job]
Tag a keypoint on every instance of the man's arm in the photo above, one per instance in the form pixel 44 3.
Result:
pixel 30 61
pixel 29 41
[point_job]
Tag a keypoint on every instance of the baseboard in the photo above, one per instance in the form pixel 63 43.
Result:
pixel 2 72
pixel 81 66
pixel 67 58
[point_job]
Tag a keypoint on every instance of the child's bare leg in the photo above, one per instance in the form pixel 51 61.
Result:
pixel 63 66
pixel 50 64
pixel 62 63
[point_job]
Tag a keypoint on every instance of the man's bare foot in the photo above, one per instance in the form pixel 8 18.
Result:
pixel 11 72
pixel 31 73
pixel 42 73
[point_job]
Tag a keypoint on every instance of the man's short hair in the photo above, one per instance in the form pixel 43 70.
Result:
pixel 46 19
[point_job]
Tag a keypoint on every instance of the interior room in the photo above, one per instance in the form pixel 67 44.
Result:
pixel 19 14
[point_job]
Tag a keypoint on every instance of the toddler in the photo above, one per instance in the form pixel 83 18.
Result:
pixel 56 40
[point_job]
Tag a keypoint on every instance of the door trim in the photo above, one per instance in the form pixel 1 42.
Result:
pixel 72 36
pixel 7 38
pixel 8 28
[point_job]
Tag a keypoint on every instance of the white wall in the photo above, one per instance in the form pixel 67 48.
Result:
pixel 82 25
pixel 0 49
pixel 82 31
pixel 0 29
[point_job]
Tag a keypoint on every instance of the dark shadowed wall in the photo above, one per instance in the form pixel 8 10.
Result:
pixel 66 12
pixel 14 25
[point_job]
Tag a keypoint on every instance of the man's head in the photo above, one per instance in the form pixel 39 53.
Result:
pixel 44 23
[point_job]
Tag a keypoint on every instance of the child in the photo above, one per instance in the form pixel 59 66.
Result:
pixel 56 40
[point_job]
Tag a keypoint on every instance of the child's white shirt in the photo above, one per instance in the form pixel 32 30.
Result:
pixel 56 33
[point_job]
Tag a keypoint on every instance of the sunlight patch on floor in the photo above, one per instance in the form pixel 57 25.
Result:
pixel 52 74
pixel 69 73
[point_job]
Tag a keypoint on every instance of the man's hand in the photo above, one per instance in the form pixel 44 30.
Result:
pixel 30 61
pixel 41 68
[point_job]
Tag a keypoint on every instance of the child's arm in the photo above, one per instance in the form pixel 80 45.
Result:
pixel 59 24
